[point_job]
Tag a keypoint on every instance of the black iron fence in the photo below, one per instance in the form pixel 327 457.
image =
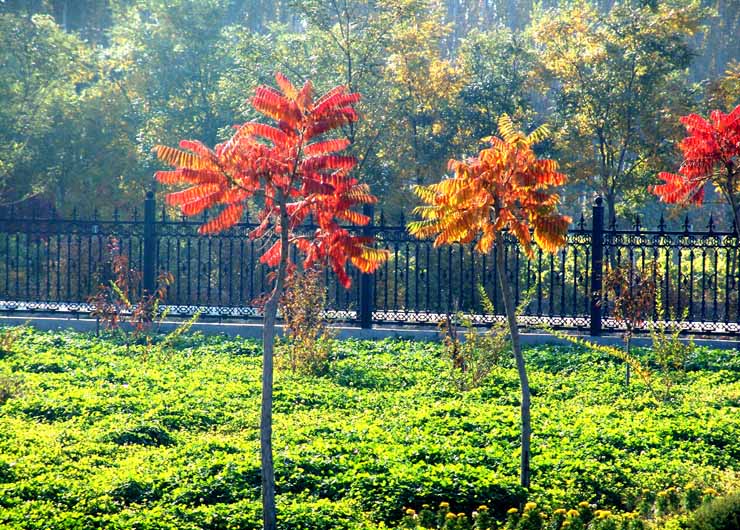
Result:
pixel 50 264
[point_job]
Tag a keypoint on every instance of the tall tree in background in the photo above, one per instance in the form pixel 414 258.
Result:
pixel 294 174
pixel 614 81
pixel 505 188
pixel 496 68
pixel 359 35
pixel 423 91
pixel 170 57
pixel 88 19
pixel 724 91
pixel 63 125
pixel 41 67
pixel 718 44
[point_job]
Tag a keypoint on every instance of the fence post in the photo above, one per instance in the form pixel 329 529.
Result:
pixel 597 265
pixel 366 279
pixel 150 243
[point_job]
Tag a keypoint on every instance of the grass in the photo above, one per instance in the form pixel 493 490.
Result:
pixel 93 434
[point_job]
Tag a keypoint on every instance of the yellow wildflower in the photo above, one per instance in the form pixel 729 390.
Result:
pixel 710 491
pixel 583 504
pixel 444 504
pixel 561 511
pixel 530 506
pixel 482 508
pixel 573 513
pixel 451 516
pixel 410 511
pixel 512 511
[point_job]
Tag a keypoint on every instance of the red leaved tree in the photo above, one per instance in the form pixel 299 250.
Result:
pixel 291 172
pixel 505 188
pixel 711 154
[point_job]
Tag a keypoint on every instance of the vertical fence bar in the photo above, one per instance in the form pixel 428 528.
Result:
pixel 597 263
pixel 150 243
pixel 367 279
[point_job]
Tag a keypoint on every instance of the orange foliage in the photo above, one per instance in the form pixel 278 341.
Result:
pixel 288 159
pixel 711 144
pixel 506 187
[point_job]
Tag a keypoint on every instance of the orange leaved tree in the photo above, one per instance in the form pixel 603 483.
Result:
pixel 505 188
pixel 711 153
pixel 291 172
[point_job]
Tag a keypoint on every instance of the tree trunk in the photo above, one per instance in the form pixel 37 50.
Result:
pixel 611 209
pixel 626 363
pixel 611 222
pixel 734 205
pixel 269 515
pixel 519 358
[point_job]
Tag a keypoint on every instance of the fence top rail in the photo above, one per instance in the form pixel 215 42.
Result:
pixel 23 224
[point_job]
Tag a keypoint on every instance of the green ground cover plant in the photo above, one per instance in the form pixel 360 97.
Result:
pixel 95 435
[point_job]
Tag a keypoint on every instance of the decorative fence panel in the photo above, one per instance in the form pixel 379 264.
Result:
pixel 55 265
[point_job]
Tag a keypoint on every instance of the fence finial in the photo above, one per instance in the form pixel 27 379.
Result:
pixel 661 223
pixel 686 224
pixel 710 226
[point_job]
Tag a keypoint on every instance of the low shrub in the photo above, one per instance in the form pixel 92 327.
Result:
pixel 147 435
pixel 473 356
pixel 721 513
pixel 10 387
pixel 308 335
pixel 9 338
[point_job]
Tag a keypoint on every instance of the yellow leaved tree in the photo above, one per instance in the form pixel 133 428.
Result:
pixel 506 188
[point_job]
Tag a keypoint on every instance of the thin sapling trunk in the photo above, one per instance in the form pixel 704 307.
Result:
pixel 510 310
pixel 269 515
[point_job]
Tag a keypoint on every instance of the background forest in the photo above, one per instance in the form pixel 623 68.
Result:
pixel 89 86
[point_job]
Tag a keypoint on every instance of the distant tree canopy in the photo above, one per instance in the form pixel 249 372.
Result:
pixel 89 87
pixel 619 84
